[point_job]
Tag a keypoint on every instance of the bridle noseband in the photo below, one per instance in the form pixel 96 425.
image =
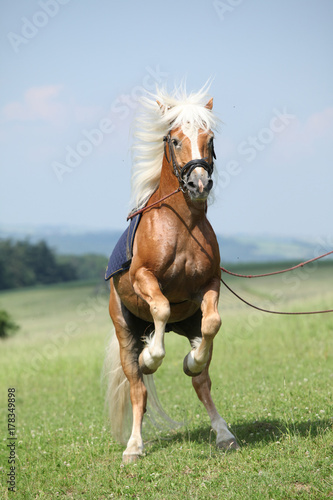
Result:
pixel 183 173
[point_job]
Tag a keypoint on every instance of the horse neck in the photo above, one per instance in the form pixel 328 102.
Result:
pixel 181 204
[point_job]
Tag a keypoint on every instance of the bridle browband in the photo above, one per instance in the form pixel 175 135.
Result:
pixel 183 173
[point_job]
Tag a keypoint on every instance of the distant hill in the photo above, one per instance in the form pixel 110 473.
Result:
pixel 248 248
pixel 240 249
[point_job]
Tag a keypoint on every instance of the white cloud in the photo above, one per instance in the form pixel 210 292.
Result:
pixel 301 139
pixel 39 103
pixel 48 104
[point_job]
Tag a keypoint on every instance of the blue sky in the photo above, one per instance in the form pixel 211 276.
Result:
pixel 70 68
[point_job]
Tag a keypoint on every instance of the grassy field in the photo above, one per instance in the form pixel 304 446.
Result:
pixel 272 382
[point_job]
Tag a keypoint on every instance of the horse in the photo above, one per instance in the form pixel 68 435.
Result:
pixel 172 282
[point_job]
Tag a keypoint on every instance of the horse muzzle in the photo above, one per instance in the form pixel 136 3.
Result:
pixel 198 184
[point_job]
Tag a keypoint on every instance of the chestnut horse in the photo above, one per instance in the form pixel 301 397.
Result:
pixel 173 281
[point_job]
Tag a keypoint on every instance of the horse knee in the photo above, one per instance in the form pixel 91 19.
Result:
pixel 160 310
pixel 211 325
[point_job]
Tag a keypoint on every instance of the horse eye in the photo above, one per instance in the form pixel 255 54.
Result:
pixel 175 142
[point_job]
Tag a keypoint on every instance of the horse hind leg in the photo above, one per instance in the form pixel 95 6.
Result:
pixel 202 385
pixel 134 448
pixel 129 349
pixel 124 388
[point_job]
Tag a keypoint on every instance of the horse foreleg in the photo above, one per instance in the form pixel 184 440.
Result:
pixel 202 385
pixel 197 359
pixel 146 286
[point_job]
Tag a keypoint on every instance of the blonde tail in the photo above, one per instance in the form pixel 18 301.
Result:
pixel 118 393
pixel 119 402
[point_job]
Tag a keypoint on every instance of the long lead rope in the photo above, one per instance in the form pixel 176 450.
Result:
pixel 276 272
pixel 141 210
pixel 268 310
pixel 271 274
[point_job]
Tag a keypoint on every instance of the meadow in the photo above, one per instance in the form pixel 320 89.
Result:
pixel 272 382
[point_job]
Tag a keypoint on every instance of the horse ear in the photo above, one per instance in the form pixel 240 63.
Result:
pixel 163 107
pixel 209 104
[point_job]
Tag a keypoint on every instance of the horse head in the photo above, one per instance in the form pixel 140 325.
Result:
pixel 189 149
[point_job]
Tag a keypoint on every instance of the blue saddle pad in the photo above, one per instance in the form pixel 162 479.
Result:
pixel 121 257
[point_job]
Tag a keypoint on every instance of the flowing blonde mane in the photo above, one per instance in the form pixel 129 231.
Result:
pixel 152 124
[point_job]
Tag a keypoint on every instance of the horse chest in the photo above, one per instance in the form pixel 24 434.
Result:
pixel 190 267
pixel 182 256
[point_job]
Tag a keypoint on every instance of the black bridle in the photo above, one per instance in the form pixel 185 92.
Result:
pixel 183 173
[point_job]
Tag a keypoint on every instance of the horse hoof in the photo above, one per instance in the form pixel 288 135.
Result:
pixel 229 445
pixel 145 369
pixel 130 458
pixel 148 370
pixel 186 369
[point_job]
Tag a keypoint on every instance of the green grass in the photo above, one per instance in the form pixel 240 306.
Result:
pixel 272 382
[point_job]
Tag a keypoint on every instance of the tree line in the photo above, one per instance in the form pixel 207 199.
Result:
pixel 26 264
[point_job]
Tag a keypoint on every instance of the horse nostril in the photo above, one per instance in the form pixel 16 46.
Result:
pixel 194 186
